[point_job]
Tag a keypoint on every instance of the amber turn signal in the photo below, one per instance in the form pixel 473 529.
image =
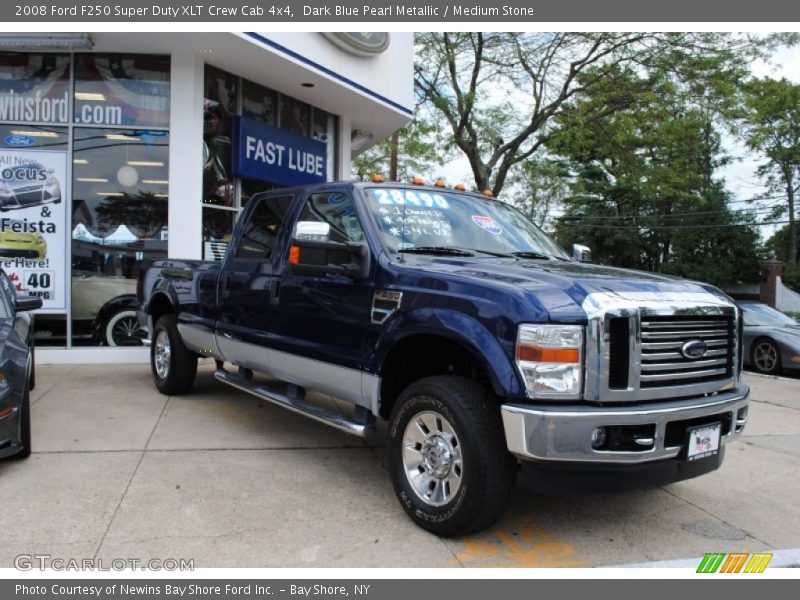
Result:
pixel 548 355
pixel 294 255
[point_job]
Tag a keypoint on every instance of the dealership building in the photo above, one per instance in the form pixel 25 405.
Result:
pixel 121 148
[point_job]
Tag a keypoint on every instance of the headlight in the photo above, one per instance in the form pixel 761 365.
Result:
pixel 52 187
pixel 550 360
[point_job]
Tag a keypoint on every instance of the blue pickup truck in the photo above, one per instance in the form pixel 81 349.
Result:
pixel 482 343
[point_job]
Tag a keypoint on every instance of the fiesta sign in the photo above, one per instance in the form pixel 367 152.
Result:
pixel 274 155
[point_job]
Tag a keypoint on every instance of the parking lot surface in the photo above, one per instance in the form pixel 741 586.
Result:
pixel 120 471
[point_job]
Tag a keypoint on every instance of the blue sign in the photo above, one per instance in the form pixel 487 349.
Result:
pixel 19 140
pixel 277 156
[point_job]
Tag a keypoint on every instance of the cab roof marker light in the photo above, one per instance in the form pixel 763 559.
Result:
pixel 440 183
pixel 460 187
pixel 377 178
pixel 418 181
pixel 488 193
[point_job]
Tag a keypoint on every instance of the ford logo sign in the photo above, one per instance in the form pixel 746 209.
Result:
pixel 694 349
pixel 19 140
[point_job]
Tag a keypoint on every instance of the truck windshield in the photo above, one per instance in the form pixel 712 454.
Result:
pixel 455 224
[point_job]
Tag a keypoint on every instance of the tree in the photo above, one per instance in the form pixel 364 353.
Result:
pixel 773 128
pixel 415 148
pixel 498 94
pixel 538 187
pixel 644 193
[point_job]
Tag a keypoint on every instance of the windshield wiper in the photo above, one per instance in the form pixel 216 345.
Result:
pixel 441 250
pixel 531 254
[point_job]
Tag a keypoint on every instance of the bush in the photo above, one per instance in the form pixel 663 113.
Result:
pixel 791 277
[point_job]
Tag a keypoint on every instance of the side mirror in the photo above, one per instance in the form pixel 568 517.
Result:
pixel 581 253
pixel 312 230
pixel 26 303
pixel 318 257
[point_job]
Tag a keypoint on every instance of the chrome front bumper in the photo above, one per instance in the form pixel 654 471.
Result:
pixel 564 433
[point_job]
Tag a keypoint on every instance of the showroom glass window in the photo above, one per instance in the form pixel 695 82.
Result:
pixel 224 196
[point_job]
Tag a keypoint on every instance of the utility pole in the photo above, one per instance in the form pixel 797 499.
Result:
pixel 395 142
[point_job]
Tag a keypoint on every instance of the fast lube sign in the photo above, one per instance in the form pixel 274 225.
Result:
pixel 277 156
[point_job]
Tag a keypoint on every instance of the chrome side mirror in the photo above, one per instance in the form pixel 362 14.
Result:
pixel 581 253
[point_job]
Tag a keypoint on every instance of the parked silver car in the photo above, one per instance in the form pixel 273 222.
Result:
pixel 771 339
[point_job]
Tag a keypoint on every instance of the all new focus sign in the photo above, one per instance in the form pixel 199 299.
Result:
pixel 277 156
pixel 33 224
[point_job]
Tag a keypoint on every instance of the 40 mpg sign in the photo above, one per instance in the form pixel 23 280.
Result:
pixel 33 224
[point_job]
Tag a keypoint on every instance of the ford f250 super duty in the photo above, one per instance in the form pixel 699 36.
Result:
pixel 483 344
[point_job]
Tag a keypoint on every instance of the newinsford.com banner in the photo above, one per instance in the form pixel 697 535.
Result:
pixel 377 11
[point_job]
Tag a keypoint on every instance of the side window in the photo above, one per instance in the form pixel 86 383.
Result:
pixel 258 240
pixel 337 210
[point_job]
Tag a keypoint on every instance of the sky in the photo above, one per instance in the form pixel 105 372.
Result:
pixel 739 175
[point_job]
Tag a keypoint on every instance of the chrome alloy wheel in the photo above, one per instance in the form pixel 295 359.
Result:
pixel 432 458
pixel 765 356
pixel 163 354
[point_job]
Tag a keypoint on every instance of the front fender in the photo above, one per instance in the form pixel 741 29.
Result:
pixel 462 329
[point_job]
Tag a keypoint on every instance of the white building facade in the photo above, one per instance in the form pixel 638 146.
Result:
pixel 121 148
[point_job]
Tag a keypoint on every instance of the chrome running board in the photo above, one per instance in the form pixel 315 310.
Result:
pixel 299 405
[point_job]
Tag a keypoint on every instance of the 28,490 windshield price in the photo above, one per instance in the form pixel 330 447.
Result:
pixel 184 10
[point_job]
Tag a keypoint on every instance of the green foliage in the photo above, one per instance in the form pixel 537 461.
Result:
pixel 417 154
pixel 643 187
pixel 772 127
pixel 498 95
pixel 791 277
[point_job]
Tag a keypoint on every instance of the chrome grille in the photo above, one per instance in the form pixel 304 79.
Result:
pixel 662 337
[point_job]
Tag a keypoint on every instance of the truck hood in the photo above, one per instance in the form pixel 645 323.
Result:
pixel 569 291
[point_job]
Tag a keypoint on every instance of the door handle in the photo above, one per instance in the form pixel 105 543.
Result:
pixel 274 290
pixel 226 281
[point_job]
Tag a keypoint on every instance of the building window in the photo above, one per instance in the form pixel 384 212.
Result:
pixel 34 88
pixel 219 107
pixel 121 89
pixel 258 102
pixel 295 116
pixel 224 195
pixel 119 217
pixel 112 112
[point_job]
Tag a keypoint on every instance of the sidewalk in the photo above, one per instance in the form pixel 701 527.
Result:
pixel 119 471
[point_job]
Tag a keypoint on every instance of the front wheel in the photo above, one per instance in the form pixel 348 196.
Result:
pixel 173 365
pixel 447 456
pixel 766 357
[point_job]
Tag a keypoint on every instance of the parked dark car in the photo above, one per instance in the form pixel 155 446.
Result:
pixel 28 185
pixel 771 339
pixel 17 376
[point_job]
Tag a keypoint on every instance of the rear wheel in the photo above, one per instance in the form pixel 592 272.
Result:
pixel 447 456
pixel 173 365
pixel 766 357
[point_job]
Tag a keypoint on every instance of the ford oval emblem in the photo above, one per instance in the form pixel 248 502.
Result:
pixel 19 140
pixel 694 349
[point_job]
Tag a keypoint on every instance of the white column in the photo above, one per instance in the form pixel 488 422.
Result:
pixel 345 162
pixel 186 156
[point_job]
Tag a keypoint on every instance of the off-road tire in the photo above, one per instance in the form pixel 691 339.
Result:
pixel 489 470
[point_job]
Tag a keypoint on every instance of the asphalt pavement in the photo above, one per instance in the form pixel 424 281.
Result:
pixel 120 471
